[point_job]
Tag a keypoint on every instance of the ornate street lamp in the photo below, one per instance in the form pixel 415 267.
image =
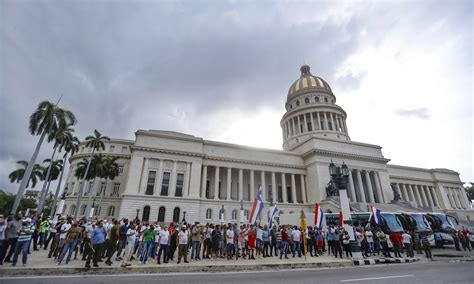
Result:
pixel 340 178
pixel 184 217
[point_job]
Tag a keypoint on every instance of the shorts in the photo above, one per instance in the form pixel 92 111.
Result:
pixel 259 243
pixel 215 245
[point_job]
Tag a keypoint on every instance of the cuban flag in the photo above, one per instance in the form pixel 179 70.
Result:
pixel 375 215
pixel 318 216
pixel 256 208
pixel 272 216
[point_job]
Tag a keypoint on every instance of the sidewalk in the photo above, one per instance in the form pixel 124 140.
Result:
pixel 39 264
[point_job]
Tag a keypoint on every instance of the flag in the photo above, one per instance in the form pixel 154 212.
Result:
pixel 303 228
pixel 318 216
pixel 256 208
pixel 272 216
pixel 341 220
pixel 375 215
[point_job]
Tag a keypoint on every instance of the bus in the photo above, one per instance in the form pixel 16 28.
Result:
pixel 441 224
pixel 417 222
pixel 390 221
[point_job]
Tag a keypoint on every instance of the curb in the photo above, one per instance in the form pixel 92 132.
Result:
pixel 153 269
pixel 384 261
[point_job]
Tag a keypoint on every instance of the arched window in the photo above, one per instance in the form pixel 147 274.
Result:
pixel 161 214
pixel 246 214
pixel 111 211
pixel 297 103
pixel 73 209
pixel 306 100
pixel 316 99
pixel 146 214
pixel 209 213
pixel 234 214
pixel 176 212
pixel 326 100
pixel 83 209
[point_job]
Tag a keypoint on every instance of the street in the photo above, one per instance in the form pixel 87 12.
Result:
pixel 430 272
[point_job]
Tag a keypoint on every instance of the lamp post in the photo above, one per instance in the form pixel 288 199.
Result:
pixel 184 217
pixel 340 177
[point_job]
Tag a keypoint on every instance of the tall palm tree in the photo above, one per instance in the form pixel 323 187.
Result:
pixel 111 170
pixel 97 171
pixel 95 142
pixel 36 174
pixel 43 121
pixel 70 146
pixel 60 134
pixel 52 172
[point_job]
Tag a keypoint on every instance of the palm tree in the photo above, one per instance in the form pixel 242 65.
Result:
pixel 70 146
pixel 97 171
pixel 46 118
pixel 36 174
pixel 111 170
pixel 60 134
pixel 51 172
pixel 95 142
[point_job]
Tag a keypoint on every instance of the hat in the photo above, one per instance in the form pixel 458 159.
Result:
pixel 27 220
pixel 183 227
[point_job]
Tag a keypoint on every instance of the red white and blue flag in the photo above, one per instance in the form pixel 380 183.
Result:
pixel 375 215
pixel 318 216
pixel 272 216
pixel 256 208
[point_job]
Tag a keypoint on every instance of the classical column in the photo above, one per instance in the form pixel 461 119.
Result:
pixel 435 197
pixel 312 122
pixel 252 185
pixel 241 183
pixel 204 181
pixel 404 192
pixel 274 191
pixel 345 126
pixel 378 187
pixel 428 195
pixel 305 123
pixel 333 125
pixel 303 189
pixel 369 187
pixel 283 188
pixel 361 186
pixel 351 187
pixel 160 178
pixel 216 184
pixel 262 180
pixel 319 120
pixel 462 199
pixel 338 126
pixel 143 181
pixel 417 195
pixel 410 192
pixel 423 195
pixel 293 188
pixel 173 180
pixel 186 178
pixel 299 125
pixel 229 184
pixel 326 125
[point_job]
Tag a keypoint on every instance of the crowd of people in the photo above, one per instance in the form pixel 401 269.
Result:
pixel 96 241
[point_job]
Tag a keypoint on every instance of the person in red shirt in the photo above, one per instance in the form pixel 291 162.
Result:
pixel 252 239
pixel 397 242
pixel 284 242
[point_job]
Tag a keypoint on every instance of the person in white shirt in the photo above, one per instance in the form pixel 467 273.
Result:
pixel 230 242
pixel 369 236
pixel 63 232
pixel 164 241
pixel 407 244
pixel 131 238
pixel 296 238
pixel 183 245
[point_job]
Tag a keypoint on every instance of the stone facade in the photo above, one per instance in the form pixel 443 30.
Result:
pixel 165 173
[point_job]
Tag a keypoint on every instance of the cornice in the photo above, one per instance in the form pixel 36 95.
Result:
pixel 423 179
pixel 344 155
pixel 88 155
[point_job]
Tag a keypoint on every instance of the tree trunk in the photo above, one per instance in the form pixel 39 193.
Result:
pixel 89 199
pixel 101 195
pixel 58 188
pixel 81 188
pixel 27 175
pixel 44 190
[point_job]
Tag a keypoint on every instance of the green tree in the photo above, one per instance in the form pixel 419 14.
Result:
pixel 43 121
pixel 36 174
pixel 95 142
pixel 7 199
pixel 469 188
pixel 111 170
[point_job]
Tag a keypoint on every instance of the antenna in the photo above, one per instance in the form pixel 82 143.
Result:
pixel 59 99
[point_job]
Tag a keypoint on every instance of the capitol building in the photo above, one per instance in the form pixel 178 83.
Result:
pixel 165 176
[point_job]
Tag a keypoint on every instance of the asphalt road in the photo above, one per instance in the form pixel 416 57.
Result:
pixel 433 272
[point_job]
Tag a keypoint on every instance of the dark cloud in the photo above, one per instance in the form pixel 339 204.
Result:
pixel 422 113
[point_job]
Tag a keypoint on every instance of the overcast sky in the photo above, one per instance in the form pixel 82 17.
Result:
pixel 220 70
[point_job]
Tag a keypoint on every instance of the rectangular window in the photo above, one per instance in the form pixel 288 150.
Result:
pixel 310 128
pixel 330 125
pixel 165 184
pixel 115 193
pixel 124 149
pixel 179 185
pixel 270 193
pixel 120 170
pixel 322 126
pixel 150 185
pixel 111 148
pixel 207 190
pixel 280 194
pixel 103 188
pixel 288 194
pixel 72 187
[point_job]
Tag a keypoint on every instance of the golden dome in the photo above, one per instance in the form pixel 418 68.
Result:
pixel 308 81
